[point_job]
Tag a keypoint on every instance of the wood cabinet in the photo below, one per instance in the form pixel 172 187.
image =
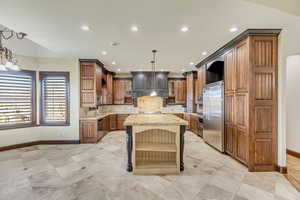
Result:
pixel 191 78
pixel 90 84
pixel 95 84
pixel 120 121
pixel 107 89
pixel 194 124
pixel 200 81
pixel 113 122
pixel 122 91
pixel 177 91
pixel 91 131
pixel 250 98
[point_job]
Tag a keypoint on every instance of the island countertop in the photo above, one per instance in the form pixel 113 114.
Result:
pixel 154 119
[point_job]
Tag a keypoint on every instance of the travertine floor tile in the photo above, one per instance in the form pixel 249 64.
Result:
pixel 98 171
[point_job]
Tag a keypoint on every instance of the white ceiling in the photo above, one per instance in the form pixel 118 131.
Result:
pixel 55 25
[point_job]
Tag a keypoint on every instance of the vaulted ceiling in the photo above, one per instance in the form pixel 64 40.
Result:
pixel 56 26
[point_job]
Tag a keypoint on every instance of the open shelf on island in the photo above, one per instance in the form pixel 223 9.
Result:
pixel 150 164
pixel 156 147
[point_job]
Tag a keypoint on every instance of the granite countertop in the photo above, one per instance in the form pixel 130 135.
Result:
pixel 154 119
pixel 97 116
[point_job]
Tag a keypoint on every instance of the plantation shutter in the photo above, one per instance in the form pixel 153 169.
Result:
pixel 17 99
pixel 54 98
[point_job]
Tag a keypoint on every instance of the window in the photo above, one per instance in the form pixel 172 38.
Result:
pixel 17 99
pixel 54 98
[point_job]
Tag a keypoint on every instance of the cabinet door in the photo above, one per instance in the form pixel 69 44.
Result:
pixel 106 123
pixel 120 121
pixel 180 91
pixel 119 92
pixel 229 108
pixel 88 131
pixel 88 96
pixel 242 66
pixel 229 71
pixel 230 139
pixel 110 89
pixel 113 122
pixel 201 80
pixel 242 145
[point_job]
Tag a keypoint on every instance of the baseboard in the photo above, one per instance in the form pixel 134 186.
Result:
pixel 282 170
pixel 41 142
pixel 293 153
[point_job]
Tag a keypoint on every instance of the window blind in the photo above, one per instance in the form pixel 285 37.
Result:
pixel 54 98
pixel 17 99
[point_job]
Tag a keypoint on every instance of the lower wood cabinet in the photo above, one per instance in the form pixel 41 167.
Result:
pixel 91 131
pixel 230 139
pixel 113 122
pixel 193 124
pixel 120 121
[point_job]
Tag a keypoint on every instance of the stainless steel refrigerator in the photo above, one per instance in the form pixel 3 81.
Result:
pixel 213 115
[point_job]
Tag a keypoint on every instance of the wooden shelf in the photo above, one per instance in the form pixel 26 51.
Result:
pixel 146 164
pixel 156 147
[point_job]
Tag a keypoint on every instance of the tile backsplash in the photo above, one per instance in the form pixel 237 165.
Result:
pixel 128 109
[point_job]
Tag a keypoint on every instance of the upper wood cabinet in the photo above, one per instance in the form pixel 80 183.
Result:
pixel 122 91
pixel 107 89
pixel 201 81
pixel 242 66
pixel 177 91
pixel 229 71
pixel 90 84
pixel 95 84
pixel 191 78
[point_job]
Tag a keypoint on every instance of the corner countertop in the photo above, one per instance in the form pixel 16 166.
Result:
pixel 154 119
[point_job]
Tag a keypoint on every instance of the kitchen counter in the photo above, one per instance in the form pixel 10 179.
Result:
pixel 154 119
pixel 97 116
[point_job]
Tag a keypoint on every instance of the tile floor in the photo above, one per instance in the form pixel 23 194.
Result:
pixel 92 172
pixel 293 165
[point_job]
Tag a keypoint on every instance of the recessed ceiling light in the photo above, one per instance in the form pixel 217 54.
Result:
pixel 204 53
pixel 233 29
pixel 113 62
pixel 184 29
pixel 119 70
pixel 183 70
pixel 134 29
pixel 85 28
pixel 104 52
pixel 191 63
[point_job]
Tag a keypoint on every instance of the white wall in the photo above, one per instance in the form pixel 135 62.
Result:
pixel 289 41
pixel 293 100
pixel 23 135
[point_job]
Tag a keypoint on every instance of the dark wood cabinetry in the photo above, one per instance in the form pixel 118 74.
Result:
pixel 191 79
pixel 113 122
pixel 250 102
pixel 120 121
pixel 200 81
pixel 90 87
pixel 95 84
pixel 177 91
pixel 194 124
pixel 122 91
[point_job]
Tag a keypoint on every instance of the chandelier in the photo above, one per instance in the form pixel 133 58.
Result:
pixel 7 60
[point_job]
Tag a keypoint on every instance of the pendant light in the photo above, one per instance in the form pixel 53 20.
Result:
pixel 153 62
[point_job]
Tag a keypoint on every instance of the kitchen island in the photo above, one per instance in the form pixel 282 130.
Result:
pixel 155 143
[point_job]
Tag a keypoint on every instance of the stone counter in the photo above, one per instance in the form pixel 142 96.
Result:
pixel 154 119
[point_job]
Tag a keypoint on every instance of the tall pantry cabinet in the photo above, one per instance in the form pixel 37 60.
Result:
pixel 251 101
pixel 250 97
